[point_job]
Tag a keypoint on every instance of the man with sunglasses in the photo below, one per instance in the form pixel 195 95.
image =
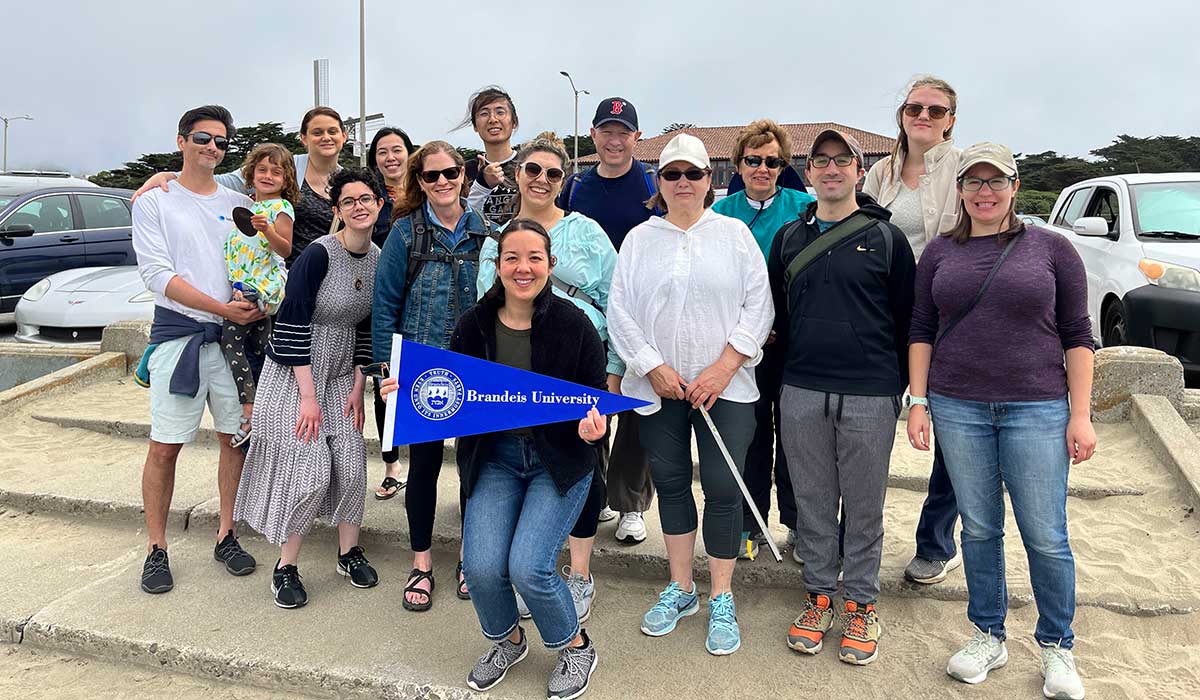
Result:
pixel 179 236
pixel 613 193
pixel 842 282
pixel 761 154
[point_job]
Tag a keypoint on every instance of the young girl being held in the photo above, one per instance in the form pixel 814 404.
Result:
pixel 256 267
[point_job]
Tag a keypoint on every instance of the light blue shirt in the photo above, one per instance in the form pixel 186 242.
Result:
pixel 585 258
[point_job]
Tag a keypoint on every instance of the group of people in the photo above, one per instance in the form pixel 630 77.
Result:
pixel 799 324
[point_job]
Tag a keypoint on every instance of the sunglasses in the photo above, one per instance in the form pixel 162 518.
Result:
pixel 772 162
pixel 553 175
pixel 431 176
pixel 913 109
pixel 823 161
pixel 202 138
pixel 995 184
pixel 693 174
pixel 347 203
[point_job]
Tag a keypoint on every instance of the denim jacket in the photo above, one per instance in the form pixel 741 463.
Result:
pixel 440 294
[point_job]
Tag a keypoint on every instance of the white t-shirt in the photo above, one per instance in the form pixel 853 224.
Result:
pixel 183 233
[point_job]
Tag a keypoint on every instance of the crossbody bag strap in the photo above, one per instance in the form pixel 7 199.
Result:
pixel 826 241
pixel 987 282
pixel 575 293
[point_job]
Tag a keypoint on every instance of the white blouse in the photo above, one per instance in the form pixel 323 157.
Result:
pixel 679 297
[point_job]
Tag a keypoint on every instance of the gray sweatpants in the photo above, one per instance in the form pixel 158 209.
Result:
pixel 838 448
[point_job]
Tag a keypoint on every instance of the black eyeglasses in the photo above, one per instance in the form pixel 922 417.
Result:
pixel 347 203
pixel 912 109
pixel 822 161
pixel 202 138
pixel 431 176
pixel 773 162
pixel 693 174
pixel 553 175
pixel 995 184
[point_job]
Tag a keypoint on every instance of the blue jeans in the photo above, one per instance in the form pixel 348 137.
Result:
pixel 1021 446
pixel 515 525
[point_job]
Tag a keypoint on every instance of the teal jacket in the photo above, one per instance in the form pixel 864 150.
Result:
pixel 585 258
pixel 787 206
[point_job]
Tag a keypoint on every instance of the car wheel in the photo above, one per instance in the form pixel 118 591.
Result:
pixel 1113 327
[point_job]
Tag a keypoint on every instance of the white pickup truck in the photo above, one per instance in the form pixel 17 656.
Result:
pixel 1139 237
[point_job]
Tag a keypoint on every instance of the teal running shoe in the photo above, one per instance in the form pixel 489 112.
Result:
pixel 673 603
pixel 724 637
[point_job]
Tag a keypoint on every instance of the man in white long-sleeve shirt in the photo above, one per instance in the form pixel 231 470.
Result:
pixel 179 237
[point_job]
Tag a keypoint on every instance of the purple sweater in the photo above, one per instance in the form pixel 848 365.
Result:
pixel 1010 346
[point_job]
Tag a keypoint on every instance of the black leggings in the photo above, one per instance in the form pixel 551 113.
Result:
pixel 392 455
pixel 420 503
pixel 589 517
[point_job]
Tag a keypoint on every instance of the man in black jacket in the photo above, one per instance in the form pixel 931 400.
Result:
pixel 842 282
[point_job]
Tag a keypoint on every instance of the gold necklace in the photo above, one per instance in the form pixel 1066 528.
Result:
pixel 341 238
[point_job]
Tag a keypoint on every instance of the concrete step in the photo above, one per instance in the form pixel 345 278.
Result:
pixel 352 643
pixel 1121 566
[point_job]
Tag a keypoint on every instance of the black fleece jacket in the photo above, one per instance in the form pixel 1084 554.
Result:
pixel 564 345
pixel 843 323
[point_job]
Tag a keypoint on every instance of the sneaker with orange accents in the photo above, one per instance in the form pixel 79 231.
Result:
pixel 860 634
pixel 807 633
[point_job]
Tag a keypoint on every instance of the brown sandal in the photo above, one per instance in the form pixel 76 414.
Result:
pixel 416 576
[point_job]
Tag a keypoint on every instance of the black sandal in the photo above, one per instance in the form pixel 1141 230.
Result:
pixel 416 576
pixel 462 583
pixel 389 483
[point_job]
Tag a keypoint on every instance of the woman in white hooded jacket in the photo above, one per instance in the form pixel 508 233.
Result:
pixel 689 311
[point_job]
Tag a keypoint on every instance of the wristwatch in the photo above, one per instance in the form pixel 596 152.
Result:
pixel 910 401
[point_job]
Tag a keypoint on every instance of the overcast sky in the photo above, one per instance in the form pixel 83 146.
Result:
pixel 107 81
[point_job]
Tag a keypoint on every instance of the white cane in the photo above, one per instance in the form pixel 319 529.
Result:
pixel 741 484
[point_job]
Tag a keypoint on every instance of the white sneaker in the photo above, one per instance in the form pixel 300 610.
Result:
pixel 972 663
pixel 1062 680
pixel 607 514
pixel 631 529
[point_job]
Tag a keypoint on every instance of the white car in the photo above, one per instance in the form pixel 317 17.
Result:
pixel 1139 238
pixel 74 306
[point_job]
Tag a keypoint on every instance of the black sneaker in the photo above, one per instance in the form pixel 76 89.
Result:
pixel 354 565
pixel 573 672
pixel 493 666
pixel 156 572
pixel 286 587
pixel 237 561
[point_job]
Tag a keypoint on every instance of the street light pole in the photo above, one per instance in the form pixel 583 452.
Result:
pixel 4 162
pixel 362 83
pixel 575 165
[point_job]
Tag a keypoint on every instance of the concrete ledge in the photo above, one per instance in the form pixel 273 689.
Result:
pixel 127 337
pixel 93 508
pixel 1190 410
pixel 1171 439
pixel 109 365
pixel 1124 371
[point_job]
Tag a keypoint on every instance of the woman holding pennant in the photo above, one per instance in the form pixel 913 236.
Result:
pixel 526 487
pixel 584 262
pixel 689 315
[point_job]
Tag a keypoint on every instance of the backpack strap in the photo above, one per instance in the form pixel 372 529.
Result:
pixel 569 186
pixel 846 228
pixel 575 293
pixel 422 242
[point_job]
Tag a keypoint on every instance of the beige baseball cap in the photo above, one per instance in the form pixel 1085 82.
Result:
pixel 995 154
pixel 842 136
pixel 687 148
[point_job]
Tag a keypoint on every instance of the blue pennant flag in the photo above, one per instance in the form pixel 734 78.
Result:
pixel 443 394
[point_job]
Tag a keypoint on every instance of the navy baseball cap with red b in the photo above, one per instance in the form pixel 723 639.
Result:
pixel 616 109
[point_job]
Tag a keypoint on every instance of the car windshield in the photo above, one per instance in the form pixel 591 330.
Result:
pixel 5 199
pixel 1167 207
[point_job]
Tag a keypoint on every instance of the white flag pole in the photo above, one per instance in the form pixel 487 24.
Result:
pixel 741 484
pixel 389 421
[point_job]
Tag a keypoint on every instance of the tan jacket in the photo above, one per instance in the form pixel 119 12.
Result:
pixel 939 195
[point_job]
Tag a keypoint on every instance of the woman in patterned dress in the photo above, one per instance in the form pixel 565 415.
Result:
pixel 307 458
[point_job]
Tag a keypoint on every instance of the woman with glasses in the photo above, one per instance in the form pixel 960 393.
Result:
pixel 426 281
pixel 916 183
pixel 689 313
pixel 583 269
pixel 762 153
pixel 307 458
pixel 1002 343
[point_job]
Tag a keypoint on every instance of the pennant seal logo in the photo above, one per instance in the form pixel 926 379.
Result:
pixel 437 394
